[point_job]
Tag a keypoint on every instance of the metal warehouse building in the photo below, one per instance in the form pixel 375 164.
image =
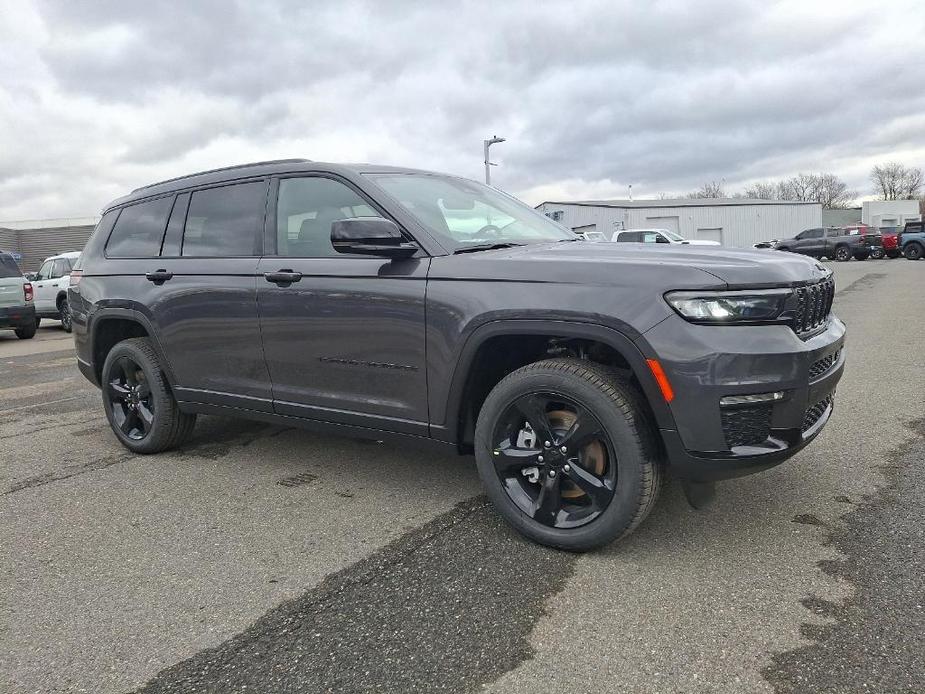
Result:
pixel 34 240
pixel 736 222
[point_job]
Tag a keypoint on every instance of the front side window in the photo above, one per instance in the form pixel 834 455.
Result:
pixel 46 271
pixel 465 213
pixel 305 210
pixel 224 222
pixel 139 230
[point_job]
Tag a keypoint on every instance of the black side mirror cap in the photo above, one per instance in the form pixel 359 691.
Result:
pixel 370 236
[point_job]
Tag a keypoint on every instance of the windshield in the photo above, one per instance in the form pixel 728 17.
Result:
pixel 464 213
pixel 673 236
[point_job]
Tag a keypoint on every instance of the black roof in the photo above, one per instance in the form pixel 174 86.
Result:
pixel 260 168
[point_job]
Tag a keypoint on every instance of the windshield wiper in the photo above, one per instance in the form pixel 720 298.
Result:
pixel 486 247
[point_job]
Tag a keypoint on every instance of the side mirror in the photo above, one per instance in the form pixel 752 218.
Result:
pixel 370 236
pixel 31 276
pixel 661 239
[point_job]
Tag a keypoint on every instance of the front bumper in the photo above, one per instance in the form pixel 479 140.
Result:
pixel 707 363
pixel 17 316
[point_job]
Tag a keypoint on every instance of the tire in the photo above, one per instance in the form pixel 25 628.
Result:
pixel 878 254
pixel 842 254
pixel 783 248
pixel 27 332
pixel 64 315
pixel 913 250
pixel 862 256
pixel 620 492
pixel 893 254
pixel 138 402
pixel 38 322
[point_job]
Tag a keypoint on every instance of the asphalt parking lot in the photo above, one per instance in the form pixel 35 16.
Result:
pixel 265 559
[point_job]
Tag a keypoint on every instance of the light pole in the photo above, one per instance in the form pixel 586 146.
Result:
pixel 488 143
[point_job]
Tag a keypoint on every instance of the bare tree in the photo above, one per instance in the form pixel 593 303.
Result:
pixel 763 191
pixel 825 188
pixel 711 189
pixel 895 181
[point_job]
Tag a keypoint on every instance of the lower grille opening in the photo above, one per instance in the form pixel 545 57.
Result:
pixel 814 413
pixel 746 426
pixel 821 366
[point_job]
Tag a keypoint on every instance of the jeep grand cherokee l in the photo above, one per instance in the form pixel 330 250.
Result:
pixel 386 302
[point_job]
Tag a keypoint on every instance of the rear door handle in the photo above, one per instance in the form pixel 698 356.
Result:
pixel 159 276
pixel 283 278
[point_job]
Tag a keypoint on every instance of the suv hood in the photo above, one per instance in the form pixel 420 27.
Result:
pixel 685 266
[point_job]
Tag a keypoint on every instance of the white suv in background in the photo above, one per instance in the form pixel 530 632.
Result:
pixel 50 285
pixel 658 236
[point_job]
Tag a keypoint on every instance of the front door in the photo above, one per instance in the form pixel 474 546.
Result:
pixel 344 342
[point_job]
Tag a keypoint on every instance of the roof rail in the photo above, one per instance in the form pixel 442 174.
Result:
pixel 224 168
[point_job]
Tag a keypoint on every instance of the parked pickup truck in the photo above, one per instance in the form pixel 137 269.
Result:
pixel 833 242
pixel 912 240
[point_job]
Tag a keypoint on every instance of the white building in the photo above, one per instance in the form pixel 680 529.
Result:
pixel 736 222
pixel 889 213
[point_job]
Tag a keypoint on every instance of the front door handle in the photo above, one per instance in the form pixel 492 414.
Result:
pixel 283 278
pixel 159 276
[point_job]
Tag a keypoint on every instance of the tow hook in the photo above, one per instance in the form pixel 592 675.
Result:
pixel 699 494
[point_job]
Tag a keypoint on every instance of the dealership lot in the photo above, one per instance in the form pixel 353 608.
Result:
pixel 267 559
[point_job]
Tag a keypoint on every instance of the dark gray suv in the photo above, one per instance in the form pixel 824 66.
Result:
pixel 383 302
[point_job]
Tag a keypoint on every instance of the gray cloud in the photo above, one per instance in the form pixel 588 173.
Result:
pixel 97 98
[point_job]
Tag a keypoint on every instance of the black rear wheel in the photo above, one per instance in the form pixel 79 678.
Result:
pixel 567 454
pixel 26 332
pixel 877 254
pixel 140 408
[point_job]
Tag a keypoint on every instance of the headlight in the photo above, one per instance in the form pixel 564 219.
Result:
pixel 756 305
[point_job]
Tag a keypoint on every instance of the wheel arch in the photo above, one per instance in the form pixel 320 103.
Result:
pixel 110 326
pixel 467 392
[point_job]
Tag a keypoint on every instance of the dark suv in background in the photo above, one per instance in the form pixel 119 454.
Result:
pixel 384 302
pixel 835 243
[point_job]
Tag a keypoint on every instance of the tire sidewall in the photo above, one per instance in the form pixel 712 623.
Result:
pixel 161 399
pixel 842 254
pixel 64 315
pixel 630 457
pixel 913 251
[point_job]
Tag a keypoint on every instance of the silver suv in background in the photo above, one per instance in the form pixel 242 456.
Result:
pixel 17 311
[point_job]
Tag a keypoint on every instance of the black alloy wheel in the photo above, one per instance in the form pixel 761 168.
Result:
pixel 842 254
pixel 877 254
pixel 130 399
pixel 554 460
pixel 913 251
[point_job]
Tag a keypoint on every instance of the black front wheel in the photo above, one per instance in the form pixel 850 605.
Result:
pixel 140 408
pixel 64 315
pixel 842 254
pixel 913 251
pixel 877 254
pixel 567 453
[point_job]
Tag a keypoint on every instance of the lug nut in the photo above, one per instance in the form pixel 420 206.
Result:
pixel 564 449
pixel 566 468
pixel 552 473
pixel 546 444
pixel 539 459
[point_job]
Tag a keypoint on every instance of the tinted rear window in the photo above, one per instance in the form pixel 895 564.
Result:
pixel 8 266
pixel 139 230
pixel 225 221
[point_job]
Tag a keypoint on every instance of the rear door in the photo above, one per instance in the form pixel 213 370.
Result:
pixel 202 298
pixel 345 342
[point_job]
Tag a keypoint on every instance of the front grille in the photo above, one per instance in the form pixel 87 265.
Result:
pixel 821 366
pixel 746 426
pixel 814 302
pixel 814 413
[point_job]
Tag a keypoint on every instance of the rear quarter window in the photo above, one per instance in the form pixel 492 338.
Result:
pixel 8 267
pixel 139 230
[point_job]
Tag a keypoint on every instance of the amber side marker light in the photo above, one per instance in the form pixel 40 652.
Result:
pixel 661 379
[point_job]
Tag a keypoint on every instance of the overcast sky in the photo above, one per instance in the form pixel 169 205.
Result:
pixel 97 98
